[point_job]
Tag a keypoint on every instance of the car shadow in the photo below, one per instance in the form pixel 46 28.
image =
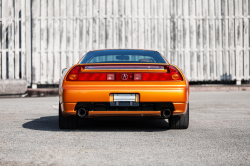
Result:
pixel 105 124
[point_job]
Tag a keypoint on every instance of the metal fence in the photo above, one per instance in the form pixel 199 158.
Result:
pixel 208 39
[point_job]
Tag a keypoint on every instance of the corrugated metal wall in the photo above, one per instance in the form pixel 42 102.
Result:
pixel 15 40
pixel 208 39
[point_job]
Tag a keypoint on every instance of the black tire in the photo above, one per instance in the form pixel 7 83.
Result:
pixel 70 122
pixel 177 122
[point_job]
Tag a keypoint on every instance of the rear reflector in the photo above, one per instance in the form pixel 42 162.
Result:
pixel 78 74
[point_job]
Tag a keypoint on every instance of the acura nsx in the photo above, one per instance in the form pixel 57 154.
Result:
pixel 123 82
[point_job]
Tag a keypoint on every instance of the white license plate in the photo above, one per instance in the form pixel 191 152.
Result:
pixel 124 97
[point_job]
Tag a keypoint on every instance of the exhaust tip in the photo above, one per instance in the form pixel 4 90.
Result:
pixel 82 112
pixel 166 113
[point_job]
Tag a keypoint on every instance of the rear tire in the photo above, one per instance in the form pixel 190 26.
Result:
pixel 177 122
pixel 70 122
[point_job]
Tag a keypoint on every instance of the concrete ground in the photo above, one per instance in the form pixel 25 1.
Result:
pixel 219 134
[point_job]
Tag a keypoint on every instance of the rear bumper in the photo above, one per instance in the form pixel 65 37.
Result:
pixel 71 109
pixel 175 93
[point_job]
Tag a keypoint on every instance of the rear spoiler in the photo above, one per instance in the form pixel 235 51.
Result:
pixel 125 66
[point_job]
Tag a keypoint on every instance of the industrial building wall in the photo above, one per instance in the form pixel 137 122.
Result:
pixel 208 39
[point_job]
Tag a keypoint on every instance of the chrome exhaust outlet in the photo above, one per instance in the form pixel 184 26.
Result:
pixel 166 113
pixel 82 112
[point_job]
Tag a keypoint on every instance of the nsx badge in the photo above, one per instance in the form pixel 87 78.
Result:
pixel 124 76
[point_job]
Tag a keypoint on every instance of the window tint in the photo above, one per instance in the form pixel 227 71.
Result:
pixel 123 56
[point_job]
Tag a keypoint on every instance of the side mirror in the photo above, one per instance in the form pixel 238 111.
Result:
pixel 63 70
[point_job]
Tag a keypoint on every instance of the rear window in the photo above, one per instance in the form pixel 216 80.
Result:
pixel 123 56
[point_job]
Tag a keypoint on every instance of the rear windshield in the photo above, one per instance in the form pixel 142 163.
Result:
pixel 123 56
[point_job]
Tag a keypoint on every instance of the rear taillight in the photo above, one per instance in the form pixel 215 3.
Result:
pixel 175 74
pixel 92 77
pixel 78 74
pixel 172 75
pixel 151 77
pixel 74 74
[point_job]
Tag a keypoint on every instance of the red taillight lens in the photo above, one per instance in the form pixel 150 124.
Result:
pixel 92 77
pixel 77 74
pixel 172 75
pixel 152 77
pixel 73 75
pixel 175 74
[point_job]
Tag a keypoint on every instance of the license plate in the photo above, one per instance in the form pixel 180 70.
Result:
pixel 124 97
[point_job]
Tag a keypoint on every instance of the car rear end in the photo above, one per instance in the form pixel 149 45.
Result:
pixel 158 90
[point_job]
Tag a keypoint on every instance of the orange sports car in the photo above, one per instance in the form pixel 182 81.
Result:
pixel 123 82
